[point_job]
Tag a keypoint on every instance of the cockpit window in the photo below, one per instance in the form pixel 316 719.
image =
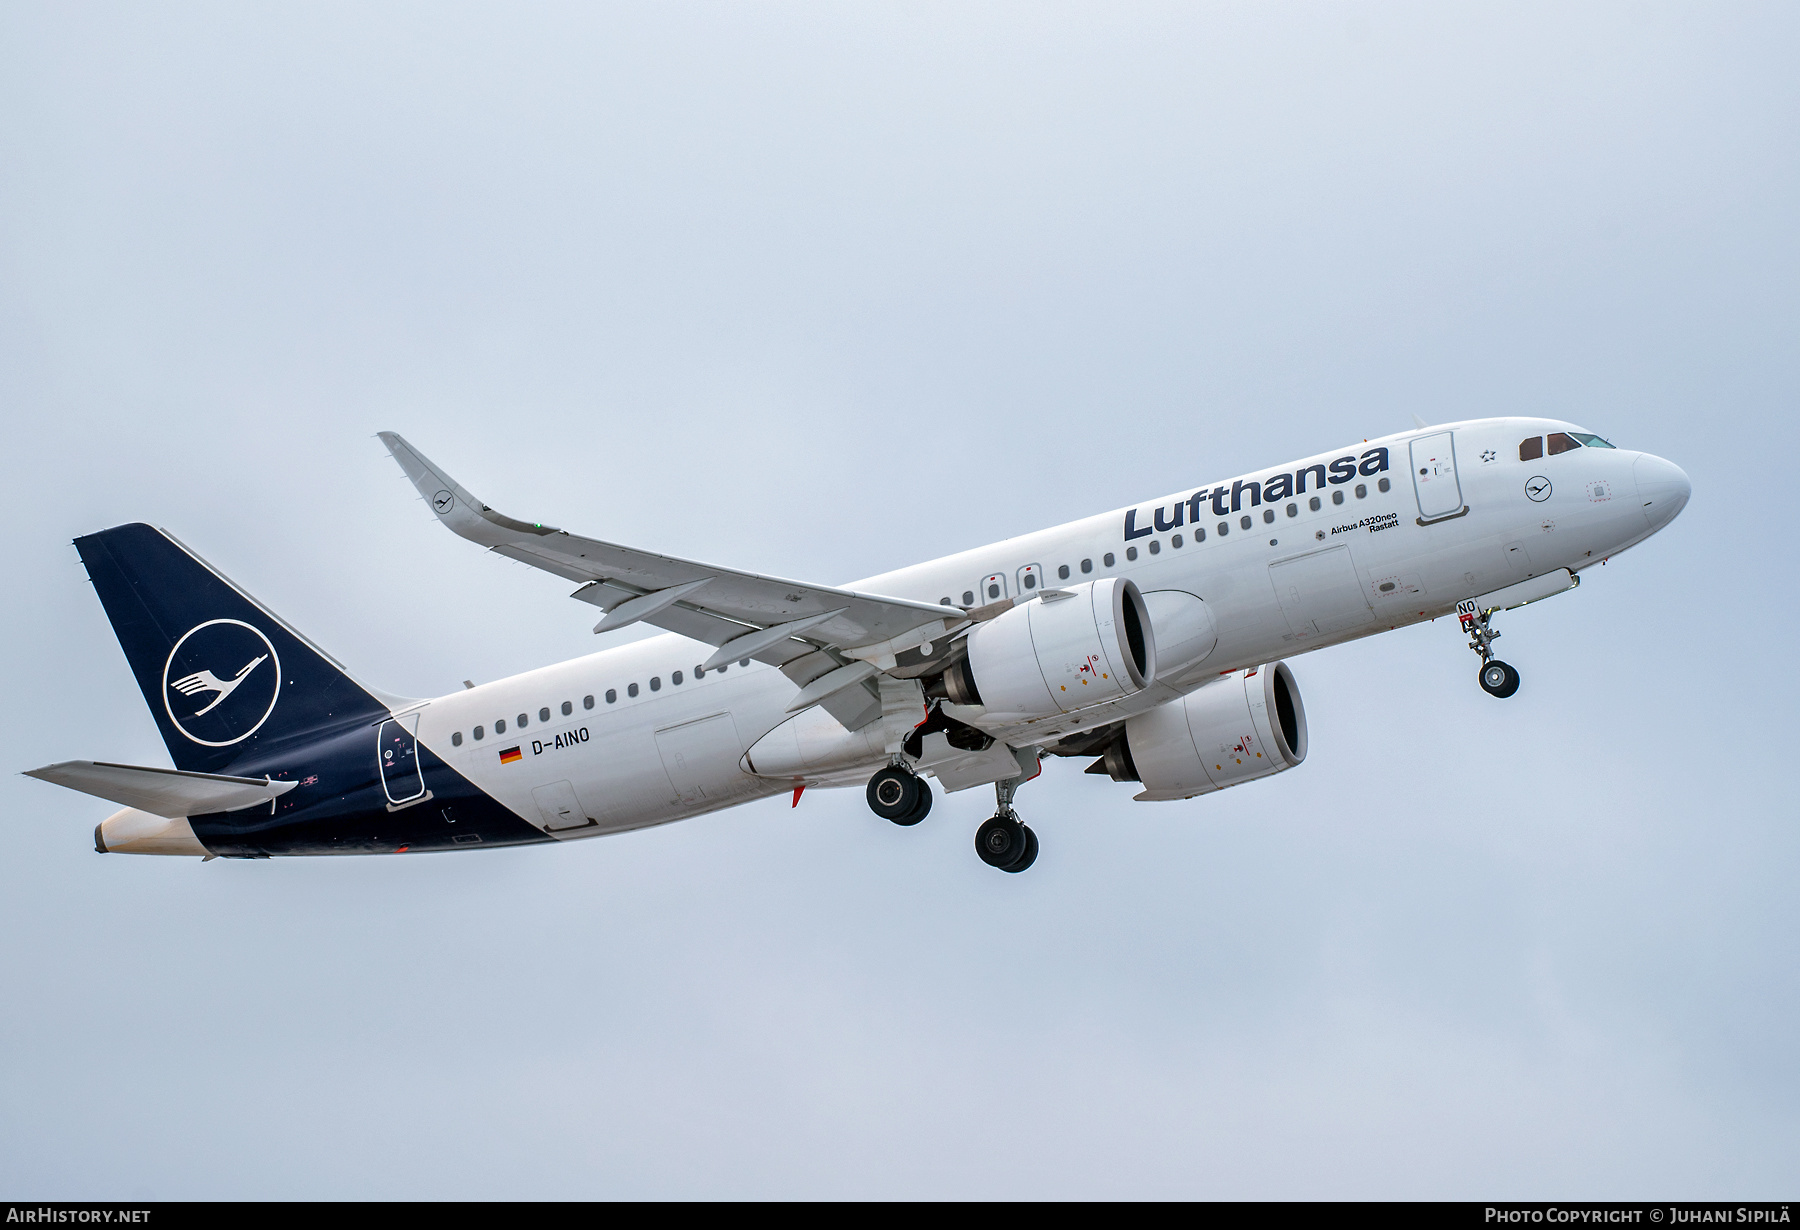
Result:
pixel 1532 449
pixel 1590 441
pixel 1562 442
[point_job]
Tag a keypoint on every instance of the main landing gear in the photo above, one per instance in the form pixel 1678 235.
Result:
pixel 1497 678
pixel 1003 842
pixel 898 794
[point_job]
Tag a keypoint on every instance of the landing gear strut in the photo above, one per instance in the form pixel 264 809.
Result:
pixel 1003 842
pixel 897 793
pixel 1497 678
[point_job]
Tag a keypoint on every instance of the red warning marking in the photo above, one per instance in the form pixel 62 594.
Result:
pixel 798 790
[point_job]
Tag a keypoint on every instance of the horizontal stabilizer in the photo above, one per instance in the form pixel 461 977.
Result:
pixel 162 792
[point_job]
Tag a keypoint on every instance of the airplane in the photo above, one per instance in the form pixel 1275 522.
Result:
pixel 1151 640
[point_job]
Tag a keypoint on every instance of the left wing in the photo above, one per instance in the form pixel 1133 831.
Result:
pixel 831 642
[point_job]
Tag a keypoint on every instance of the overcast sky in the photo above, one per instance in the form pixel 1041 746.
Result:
pixel 825 290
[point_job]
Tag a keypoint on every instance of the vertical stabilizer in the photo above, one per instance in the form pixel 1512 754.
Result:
pixel 224 678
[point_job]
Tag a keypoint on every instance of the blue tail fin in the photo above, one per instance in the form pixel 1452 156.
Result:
pixel 225 679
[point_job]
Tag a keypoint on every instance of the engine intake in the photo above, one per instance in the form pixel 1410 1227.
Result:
pixel 1247 725
pixel 1070 649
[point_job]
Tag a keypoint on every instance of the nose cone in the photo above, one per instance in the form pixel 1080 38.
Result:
pixel 1663 488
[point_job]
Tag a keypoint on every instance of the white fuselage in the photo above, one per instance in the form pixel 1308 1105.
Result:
pixel 663 750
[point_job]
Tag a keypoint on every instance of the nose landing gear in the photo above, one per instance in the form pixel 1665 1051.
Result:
pixel 1497 678
pixel 1003 841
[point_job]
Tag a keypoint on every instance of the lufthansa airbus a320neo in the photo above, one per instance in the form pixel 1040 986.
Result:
pixel 1148 640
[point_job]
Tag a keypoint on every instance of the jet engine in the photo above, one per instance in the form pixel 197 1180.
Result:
pixel 1239 728
pixel 1069 649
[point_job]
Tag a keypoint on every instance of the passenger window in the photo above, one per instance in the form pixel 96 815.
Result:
pixel 1062 572
pixel 656 683
pixel 743 661
pixel 1087 565
pixel 1199 534
pixel 1532 449
pixel 631 689
pixel 612 695
pixel 587 702
pixel 1244 521
pixel 456 738
pixel 993 591
pixel 1337 497
pixel 699 672
pixel 944 602
pixel 1130 552
pixel 1562 442
pixel 1175 542
pixel 478 732
pixel 1362 490
pixel 1030 581
pixel 721 669
pixel 1268 516
pixel 524 720
pixel 1107 559
pixel 1313 503
pixel 499 726
pixel 1224 528
pixel 1155 547
pixel 1293 510
pixel 544 713
pixel 968 597
pixel 1383 485
pixel 567 708
pixel 674 679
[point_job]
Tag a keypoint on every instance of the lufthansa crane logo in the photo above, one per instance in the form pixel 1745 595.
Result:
pixel 221 682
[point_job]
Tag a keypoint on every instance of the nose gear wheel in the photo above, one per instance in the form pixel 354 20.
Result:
pixel 1499 679
pixel 1496 678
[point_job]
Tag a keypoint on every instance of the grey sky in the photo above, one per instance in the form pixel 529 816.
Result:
pixel 822 291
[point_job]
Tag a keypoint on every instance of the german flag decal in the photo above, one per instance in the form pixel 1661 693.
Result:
pixel 510 754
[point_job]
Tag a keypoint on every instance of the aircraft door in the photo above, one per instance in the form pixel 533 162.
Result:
pixel 993 588
pixel 1434 477
pixel 1031 577
pixel 397 752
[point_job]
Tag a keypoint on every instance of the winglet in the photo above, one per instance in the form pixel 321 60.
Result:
pixel 461 512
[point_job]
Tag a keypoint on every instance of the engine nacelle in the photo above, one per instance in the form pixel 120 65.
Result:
pixel 1242 727
pixel 1067 650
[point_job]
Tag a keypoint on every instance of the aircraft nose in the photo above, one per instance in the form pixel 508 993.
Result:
pixel 1663 488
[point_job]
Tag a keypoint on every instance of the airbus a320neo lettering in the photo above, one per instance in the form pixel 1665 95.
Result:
pixel 1148 640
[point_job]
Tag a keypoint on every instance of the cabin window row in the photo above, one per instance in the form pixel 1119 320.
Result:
pixel 523 720
pixel 1029 580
